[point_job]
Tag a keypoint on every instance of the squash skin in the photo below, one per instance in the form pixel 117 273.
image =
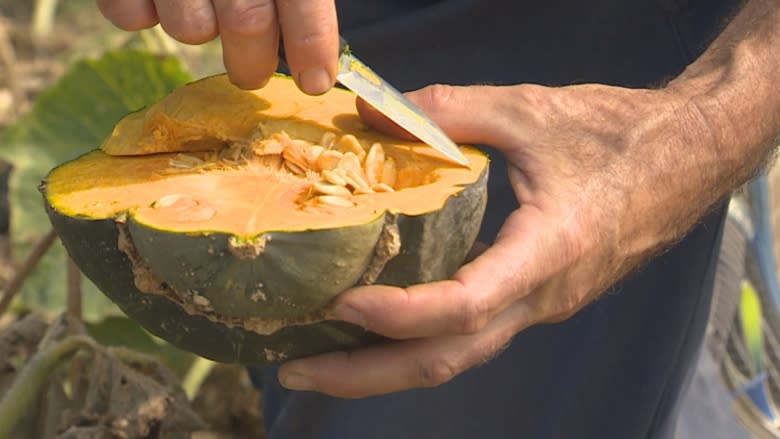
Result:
pixel 433 246
pixel 302 265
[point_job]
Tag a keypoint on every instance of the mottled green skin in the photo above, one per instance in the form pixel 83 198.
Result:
pixel 293 276
pixel 433 246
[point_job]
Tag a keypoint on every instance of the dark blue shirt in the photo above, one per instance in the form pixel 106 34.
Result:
pixel 614 370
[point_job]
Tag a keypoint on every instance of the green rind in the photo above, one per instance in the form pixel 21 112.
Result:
pixel 293 275
pixel 434 245
pixel 93 246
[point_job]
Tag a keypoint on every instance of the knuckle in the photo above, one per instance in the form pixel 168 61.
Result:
pixel 566 306
pixel 435 372
pixel 438 97
pixel 195 27
pixel 255 19
pixel 313 40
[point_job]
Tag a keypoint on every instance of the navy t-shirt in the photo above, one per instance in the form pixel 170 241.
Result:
pixel 614 370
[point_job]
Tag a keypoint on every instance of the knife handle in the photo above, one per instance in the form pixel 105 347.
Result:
pixel 343 47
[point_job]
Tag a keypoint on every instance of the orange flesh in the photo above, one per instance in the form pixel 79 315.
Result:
pixel 245 201
pixel 250 199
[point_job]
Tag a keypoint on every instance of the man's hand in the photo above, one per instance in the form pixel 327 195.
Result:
pixel 600 188
pixel 250 31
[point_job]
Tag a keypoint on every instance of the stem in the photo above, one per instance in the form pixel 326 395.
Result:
pixel 43 19
pixel 74 289
pixel 28 384
pixel 197 373
pixel 21 275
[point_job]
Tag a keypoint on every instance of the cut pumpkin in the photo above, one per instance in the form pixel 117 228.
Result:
pixel 226 221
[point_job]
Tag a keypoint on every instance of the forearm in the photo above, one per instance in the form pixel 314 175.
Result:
pixel 715 126
pixel 733 90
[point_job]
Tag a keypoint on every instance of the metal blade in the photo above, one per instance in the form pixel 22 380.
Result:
pixel 359 78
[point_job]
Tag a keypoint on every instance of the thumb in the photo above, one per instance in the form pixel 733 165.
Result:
pixel 468 114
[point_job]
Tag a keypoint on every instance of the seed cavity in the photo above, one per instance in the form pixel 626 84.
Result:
pixel 338 168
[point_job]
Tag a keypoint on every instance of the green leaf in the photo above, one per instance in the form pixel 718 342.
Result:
pixel 68 119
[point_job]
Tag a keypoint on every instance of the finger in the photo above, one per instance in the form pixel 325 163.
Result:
pixel 129 14
pixel 189 21
pixel 250 40
pixel 474 114
pixel 478 292
pixel 401 365
pixel 311 42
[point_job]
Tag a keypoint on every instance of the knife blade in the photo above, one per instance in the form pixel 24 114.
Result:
pixel 364 82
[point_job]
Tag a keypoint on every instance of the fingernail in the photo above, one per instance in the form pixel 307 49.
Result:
pixel 295 381
pixel 315 81
pixel 348 314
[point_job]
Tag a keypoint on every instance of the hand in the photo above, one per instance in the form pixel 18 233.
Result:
pixel 602 183
pixel 250 31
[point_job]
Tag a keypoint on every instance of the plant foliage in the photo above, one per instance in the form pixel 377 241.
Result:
pixel 72 117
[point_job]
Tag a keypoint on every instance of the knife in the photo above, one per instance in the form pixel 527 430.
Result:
pixel 359 78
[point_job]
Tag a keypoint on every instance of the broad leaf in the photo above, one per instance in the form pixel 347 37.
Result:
pixel 68 119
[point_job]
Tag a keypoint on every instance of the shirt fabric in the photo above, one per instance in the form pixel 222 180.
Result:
pixel 615 369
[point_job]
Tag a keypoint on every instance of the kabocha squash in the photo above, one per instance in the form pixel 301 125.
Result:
pixel 226 221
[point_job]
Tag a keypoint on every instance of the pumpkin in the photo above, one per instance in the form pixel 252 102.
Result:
pixel 226 221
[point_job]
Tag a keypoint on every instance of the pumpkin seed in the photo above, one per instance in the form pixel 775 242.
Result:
pixel 364 191
pixel 374 164
pixel 268 147
pixel 323 188
pixel 314 153
pixel 389 172
pixel 296 154
pixel 381 187
pixel 359 181
pixel 294 168
pixel 333 178
pixel 351 162
pixel 328 139
pixel 332 200
pixel 328 160
pixel 168 200
pixel 350 143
